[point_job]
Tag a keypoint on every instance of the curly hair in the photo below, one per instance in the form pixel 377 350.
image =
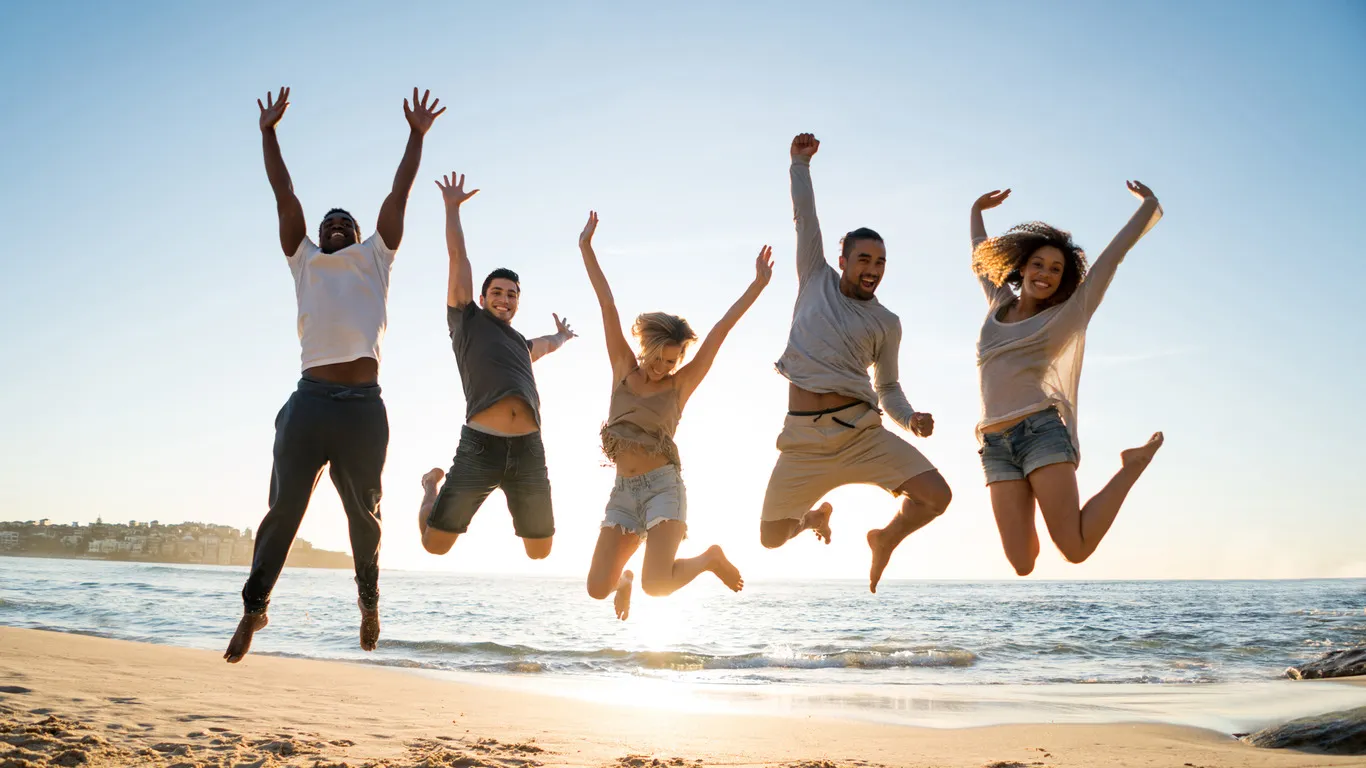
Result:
pixel 656 330
pixel 1002 259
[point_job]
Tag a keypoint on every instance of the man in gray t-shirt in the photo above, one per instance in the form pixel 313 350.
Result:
pixel 500 444
pixel 833 434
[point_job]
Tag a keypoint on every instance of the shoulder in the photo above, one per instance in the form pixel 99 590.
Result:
pixel 375 243
pixel 306 249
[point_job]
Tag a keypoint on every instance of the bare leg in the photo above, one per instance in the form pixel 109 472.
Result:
pixel 606 576
pixel 1012 501
pixel 250 624
pixel 664 573
pixel 369 627
pixel 1077 532
pixel 434 541
pixel 927 496
pixel 538 549
pixel 775 533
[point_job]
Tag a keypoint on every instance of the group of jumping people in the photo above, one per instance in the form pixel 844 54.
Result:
pixel 1041 294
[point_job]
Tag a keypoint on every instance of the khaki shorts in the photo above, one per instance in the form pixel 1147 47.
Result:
pixel 821 453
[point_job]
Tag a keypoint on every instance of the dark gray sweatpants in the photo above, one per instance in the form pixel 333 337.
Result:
pixel 323 423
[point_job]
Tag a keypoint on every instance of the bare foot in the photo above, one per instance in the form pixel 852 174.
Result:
pixel 1138 458
pixel 881 556
pixel 369 627
pixel 818 520
pixel 250 624
pixel 621 601
pixel 724 569
pixel 429 483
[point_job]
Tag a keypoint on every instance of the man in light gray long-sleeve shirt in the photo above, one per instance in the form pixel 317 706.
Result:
pixel 833 434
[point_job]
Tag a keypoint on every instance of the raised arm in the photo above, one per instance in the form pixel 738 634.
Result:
pixel 978 227
pixel 810 251
pixel 544 345
pixel 1102 271
pixel 389 225
pixel 691 375
pixel 293 229
pixel 460 280
pixel 618 350
pixel 886 373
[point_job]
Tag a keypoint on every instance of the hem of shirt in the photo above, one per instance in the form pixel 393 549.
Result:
pixel 334 359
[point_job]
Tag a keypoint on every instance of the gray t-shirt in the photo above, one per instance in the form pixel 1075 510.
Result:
pixel 834 339
pixel 494 360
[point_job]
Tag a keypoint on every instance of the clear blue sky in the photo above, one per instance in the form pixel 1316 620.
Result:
pixel 151 314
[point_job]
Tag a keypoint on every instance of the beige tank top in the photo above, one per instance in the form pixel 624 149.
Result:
pixel 644 423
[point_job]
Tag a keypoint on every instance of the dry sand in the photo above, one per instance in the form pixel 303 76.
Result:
pixel 67 700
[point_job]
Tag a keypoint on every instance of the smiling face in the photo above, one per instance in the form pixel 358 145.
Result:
pixel 1042 273
pixel 337 231
pixel 661 365
pixel 501 298
pixel 862 265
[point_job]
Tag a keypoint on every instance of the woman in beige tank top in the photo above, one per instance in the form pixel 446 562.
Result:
pixel 649 501
pixel 1029 359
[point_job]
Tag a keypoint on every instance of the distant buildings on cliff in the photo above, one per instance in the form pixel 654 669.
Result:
pixel 151 542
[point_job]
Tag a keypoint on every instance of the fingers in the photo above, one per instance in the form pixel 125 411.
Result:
pixel 438 112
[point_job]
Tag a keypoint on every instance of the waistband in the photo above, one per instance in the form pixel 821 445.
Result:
pixel 311 386
pixel 477 427
pixel 1032 420
pixel 640 481
pixel 480 435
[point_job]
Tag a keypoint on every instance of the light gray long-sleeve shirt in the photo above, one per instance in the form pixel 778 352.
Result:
pixel 835 339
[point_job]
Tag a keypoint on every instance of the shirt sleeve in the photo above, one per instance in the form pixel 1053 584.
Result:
pixel 1100 274
pixel 885 378
pixel 455 319
pixel 810 250
pixel 307 248
pixel 384 255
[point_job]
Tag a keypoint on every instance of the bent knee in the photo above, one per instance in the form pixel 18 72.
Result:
pixel 939 497
pixel 1024 569
pixel 772 540
pixel 438 545
pixel 657 587
pixel 775 533
pixel 1074 555
pixel 600 589
pixel 537 549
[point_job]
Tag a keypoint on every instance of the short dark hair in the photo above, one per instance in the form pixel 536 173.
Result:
pixel 862 233
pixel 343 212
pixel 501 273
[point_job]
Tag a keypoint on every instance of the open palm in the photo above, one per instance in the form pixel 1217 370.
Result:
pixel 453 189
pixel 272 111
pixel 991 199
pixel 420 115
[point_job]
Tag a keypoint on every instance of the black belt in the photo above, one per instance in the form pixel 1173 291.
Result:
pixel 828 411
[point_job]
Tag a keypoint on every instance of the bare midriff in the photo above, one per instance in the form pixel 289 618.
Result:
pixel 511 416
pixel 361 372
pixel 1002 426
pixel 632 463
pixel 799 399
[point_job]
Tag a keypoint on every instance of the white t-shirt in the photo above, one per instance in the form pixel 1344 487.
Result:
pixel 343 299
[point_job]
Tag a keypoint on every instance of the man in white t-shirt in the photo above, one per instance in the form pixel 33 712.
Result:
pixel 336 416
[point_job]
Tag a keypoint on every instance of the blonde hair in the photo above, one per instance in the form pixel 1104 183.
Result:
pixel 657 330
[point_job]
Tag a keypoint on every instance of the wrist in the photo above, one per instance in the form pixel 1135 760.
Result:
pixel 801 160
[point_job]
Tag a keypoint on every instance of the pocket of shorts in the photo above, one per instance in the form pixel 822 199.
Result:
pixel 469 446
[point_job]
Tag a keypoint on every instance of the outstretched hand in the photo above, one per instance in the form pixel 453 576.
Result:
pixel 453 189
pixel 562 327
pixel 272 111
pixel 763 267
pixel 805 145
pixel 1140 190
pixel 922 424
pixel 991 199
pixel 420 115
pixel 586 236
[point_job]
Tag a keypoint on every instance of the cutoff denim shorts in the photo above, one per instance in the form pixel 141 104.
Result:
pixel 1038 441
pixel 640 503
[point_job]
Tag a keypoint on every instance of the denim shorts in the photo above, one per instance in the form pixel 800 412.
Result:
pixel 484 462
pixel 1038 441
pixel 640 503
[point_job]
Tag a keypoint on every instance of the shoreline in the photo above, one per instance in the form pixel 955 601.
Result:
pixel 126 703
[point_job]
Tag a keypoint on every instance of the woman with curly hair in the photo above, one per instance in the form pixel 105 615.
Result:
pixel 649 502
pixel 1029 359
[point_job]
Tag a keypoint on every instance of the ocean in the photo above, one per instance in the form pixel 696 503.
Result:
pixel 943 654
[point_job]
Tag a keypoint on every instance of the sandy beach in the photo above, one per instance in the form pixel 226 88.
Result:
pixel 71 700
